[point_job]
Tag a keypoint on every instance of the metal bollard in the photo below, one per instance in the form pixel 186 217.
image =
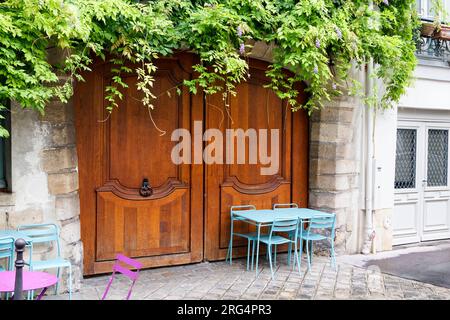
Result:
pixel 18 284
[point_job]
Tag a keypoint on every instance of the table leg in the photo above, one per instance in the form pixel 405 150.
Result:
pixel 248 252
pixel 253 253
pixel 30 294
pixel 257 247
pixel 39 297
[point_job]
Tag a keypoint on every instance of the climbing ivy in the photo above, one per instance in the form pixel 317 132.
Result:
pixel 318 40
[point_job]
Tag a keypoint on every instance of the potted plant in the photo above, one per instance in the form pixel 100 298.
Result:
pixel 428 29
pixel 443 32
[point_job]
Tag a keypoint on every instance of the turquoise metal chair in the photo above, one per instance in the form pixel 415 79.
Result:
pixel 310 235
pixel 47 233
pixel 252 236
pixel 285 226
pixel 7 251
pixel 281 206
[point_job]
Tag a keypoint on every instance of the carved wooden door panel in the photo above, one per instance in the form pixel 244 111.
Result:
pixel 117 152
pixel 227 184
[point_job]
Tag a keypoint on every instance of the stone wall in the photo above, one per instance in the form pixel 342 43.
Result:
pixel 45 180
pixel 334 175
pixel 59 162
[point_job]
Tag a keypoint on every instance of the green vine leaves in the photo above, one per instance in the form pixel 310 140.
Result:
pixel 317 40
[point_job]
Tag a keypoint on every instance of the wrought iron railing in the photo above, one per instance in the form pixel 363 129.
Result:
pixel 432 47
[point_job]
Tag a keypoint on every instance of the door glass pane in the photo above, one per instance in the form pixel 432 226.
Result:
pixel 437 158
pixel 405 162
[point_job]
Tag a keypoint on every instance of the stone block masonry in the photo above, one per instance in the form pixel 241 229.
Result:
pixel 45 180
pixel 44 177
pixel 59 161
pixel 335 166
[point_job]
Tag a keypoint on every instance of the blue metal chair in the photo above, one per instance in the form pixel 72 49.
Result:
pixel 309 235
pixel 285 226
pixel 47 233
pixel 252 236
pixel 281 206
pixel 7 251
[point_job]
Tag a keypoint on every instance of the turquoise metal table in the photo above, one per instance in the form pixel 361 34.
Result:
pixel 265 217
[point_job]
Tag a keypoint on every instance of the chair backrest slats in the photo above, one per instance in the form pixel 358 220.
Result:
pixel 6 247
pixel 40 233
pixel 243 207
pixel 42 239
pixel 129 261
pixel 323 223
pixel 5 242
pixel 315 225
pixel 284 225
pixel 285 205
pixel 130 274
pixel 240 208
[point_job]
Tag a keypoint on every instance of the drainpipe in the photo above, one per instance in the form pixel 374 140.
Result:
pixel 369 163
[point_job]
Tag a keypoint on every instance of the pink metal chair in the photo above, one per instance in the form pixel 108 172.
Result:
pixel 133 275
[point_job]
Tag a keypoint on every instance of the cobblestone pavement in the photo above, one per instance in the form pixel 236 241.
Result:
pixel 219 280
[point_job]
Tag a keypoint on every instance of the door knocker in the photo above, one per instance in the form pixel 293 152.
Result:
pixel 146 190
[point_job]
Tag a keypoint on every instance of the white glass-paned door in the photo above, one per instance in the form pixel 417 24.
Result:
pixel 436 195
pixel 407 208
pixel 422 192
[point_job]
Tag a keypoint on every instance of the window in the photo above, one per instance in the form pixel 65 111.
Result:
pixel 5 152
pixel 405 160
pixel 437 166
pixel 425 10
pixel 430 50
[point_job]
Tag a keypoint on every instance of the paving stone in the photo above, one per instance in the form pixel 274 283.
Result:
pixel 342 294
pixel 212 297
pixel 357 293
pixel 219 280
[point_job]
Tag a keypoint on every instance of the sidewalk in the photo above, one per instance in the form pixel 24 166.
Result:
pixel 219 280
pixel 427 262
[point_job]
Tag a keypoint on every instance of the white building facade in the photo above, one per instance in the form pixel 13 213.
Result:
pixel 422 192
pixel 412 169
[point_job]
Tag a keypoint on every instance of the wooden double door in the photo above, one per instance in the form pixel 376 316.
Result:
pixel 184 216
